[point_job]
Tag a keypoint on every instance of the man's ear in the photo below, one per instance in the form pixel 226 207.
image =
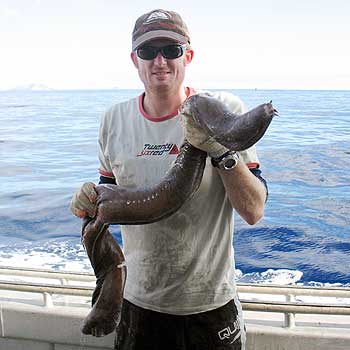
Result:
pixel 188 56
pixel 134 59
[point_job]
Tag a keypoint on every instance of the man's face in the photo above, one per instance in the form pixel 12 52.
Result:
pixel 162 73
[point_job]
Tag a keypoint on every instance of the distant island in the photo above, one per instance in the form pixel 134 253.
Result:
pixel 32 87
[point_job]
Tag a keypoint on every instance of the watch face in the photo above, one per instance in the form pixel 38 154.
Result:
pixel 230 163
pixel 227 162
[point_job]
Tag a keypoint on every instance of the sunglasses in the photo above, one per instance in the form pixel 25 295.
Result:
pixel 169 52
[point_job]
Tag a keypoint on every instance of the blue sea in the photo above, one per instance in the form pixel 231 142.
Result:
pixel 48 148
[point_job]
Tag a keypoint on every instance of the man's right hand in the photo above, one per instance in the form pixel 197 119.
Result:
pixel 83 203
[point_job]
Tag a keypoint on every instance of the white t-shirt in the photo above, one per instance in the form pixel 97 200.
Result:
pixel 183 264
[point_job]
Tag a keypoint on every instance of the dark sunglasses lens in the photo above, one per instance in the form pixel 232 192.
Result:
pixel 169 52
pixel 147 52
pixel 172 51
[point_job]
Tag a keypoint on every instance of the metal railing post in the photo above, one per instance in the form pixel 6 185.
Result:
pixel 48 299
pixel 289 317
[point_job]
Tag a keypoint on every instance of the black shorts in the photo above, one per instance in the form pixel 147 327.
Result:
pixel 141 329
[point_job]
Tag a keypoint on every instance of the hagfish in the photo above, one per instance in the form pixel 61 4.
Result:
pixel 126 206
pixel 108 262
pixel 235 131
pixel 122 205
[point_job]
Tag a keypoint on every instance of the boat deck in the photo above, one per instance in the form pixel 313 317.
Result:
pixel 43 310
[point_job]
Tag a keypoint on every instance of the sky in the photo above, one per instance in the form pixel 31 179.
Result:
pixel 262 44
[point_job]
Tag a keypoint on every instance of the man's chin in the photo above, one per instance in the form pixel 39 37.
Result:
pixel 162 83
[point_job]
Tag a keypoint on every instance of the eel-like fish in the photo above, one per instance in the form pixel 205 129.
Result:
pixel 107 260
pixel 122 205
pixel 235 131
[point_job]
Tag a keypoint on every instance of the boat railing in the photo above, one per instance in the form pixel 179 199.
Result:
pixel 290 306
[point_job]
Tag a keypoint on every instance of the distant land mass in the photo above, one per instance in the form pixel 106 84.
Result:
pixel 43 87
pixel 32 87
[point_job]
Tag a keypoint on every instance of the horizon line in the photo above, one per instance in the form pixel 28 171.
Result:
pixel 141 89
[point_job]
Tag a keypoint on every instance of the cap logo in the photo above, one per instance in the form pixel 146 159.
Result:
pixel 156 16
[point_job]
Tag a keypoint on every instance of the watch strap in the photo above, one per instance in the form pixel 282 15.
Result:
pixel 226 161
pixel 215 161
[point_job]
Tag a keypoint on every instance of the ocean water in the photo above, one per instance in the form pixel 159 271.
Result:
pixel 48 148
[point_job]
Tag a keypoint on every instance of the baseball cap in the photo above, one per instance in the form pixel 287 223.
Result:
pixel 159 24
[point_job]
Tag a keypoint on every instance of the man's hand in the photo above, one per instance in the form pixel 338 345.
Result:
pixel 199 138
pixel 83 203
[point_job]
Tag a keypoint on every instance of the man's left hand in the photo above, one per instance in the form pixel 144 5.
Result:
pixel 199 138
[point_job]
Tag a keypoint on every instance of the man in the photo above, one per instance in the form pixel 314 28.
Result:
pixel 180 291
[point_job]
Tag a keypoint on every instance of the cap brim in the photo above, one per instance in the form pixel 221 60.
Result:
pixel 158 34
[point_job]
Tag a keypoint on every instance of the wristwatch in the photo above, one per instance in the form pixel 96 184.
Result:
pixel 227 161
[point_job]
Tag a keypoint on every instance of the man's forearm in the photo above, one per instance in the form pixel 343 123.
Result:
pixel 246 192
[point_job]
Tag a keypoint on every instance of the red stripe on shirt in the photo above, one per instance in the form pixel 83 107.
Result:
pixel 106 174
pixel 189 92
pixel 253 165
